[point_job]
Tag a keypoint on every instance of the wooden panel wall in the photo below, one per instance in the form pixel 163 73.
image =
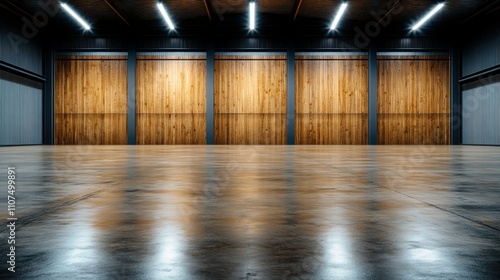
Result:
pixel 413 100
pixel 250 99
pixel 91 100
pixel 331 105
pixel 171 100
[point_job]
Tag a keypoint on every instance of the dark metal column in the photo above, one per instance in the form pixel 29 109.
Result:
pixel 372 95
pixel 290 102
pixel 131 68
pixel 48 95
pixel 456 122
pixel 210 93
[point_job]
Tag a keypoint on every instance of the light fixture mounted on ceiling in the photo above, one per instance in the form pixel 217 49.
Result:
pixel 164 13
pixel 252 14
pixel 75 16
pixel 428 16
pixel 338 16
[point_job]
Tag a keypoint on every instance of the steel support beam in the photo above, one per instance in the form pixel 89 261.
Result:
pixel 117 12
pixel 455 99
pixel 48 99
pixel 372 95
pixel 210 93
pixel 208 8
pixel 296 9
pixel 131 110
pixel 290 100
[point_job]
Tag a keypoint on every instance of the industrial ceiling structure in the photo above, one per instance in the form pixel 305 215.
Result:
pixel 143 16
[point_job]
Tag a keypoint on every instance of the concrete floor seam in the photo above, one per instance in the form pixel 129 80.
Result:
pixel 440 208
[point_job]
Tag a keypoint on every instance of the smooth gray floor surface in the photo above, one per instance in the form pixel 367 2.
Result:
pixel 253 212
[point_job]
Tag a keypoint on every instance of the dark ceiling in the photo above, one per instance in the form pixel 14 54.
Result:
pixel 142 15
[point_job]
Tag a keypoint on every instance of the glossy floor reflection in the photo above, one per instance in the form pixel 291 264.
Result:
pixel 254 212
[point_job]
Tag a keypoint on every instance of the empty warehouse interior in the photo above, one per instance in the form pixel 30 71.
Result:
pixel 266 139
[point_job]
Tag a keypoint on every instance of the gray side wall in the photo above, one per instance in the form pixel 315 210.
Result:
pixel 481 112
pixel 20 98
pixel 481 95
pixel 482 49
pixel 28 53
pixel 21 110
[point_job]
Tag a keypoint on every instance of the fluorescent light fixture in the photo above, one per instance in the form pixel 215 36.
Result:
pixel 428 16
pixel 165 16
pixel 75 16
pixel 252 15
pixel 338 16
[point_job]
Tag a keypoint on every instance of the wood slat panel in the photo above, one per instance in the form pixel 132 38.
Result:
pixel 91 129
pixel 413 86
pixel 250 129
pixel 175 129
pixel 331 129
pixel 171 86
pixel 172 57
pixel 331 103
pixel 91 100
pixel 331 86
pixel 413 129
pixel 171 100
pixel 91 57
pixel 413 100
pixel 250 57
pixel 325 57
pixel 250 100
pixel 250 86
pixel 412 57
pixel 91 86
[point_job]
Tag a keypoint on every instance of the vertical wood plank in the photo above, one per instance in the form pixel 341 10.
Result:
pixel 171 100
pixel 413 100
pixel 331 100
pixel 91 100
pixel 250 100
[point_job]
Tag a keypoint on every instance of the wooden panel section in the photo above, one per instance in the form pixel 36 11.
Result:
pixel 91 100
pixel 413 129
pixel 331 103
pixel 328 129
pixel 171 100
pixel 250 100
pixel 250 86
pixel 91 129
pixel 171 86
pixel 249 129
pixel 413 100
pixel 159 129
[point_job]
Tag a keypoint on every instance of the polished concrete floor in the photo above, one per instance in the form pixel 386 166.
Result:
pixel 253 212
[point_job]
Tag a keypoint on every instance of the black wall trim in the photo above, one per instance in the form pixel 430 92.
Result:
pixel 480 74
pixel 455 100
pixel 210 94
pixel 372 95
pixel 48 96
pixel 21 72
pixel 131 72
pixel 290 100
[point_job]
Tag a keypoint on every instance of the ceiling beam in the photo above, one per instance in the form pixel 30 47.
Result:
pixel 10 10
pixel 208 8
pixel 296 8
pixel 117 12
pixel 488 5
pixel 22 10
pixel 390 11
